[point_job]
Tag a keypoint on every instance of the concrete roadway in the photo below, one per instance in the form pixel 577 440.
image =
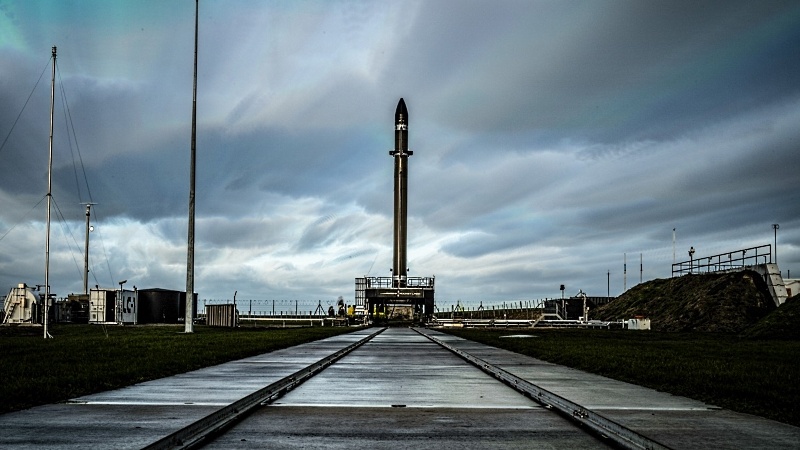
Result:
pixel 135 416
pixel 398 391
pixel 402 391
pixel 677 422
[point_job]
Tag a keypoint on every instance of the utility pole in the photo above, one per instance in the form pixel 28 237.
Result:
pixel 189 317
pixel 86 250
pixel 624 272
pixel 673 246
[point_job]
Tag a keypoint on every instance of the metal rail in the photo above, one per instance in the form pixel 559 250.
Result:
pixel 197 433
pixel 723 262
pixel 619 434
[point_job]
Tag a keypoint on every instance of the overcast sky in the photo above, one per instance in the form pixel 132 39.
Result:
pixel 550 139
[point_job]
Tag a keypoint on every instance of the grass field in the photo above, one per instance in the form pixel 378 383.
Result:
pixel 84 359
pixel 760 377
pixel 754 376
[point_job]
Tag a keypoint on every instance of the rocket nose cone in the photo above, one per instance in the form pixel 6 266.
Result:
pixel 401 113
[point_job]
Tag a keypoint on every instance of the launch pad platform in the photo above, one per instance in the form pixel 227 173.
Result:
pixel 379 295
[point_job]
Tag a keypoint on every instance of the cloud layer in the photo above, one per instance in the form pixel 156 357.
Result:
pixel 552 141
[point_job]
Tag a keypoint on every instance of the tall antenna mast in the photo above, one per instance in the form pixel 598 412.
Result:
pixel 187 321
pixel 49 202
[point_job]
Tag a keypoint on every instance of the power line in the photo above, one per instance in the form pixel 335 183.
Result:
pixel 23 106
pixel 23 217
pixel 71 126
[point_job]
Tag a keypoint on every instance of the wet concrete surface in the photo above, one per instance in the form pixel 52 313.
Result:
pixel 306 427
pixel 402 391
pixel 132 417
pixel 401 367
pixel 677 422
pixel 398 391
pixel 95 426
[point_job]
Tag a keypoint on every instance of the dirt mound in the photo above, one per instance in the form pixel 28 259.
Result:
pixel 730 302
pixel 783 323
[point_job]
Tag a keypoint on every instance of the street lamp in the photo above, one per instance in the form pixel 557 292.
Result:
pixel 691 254
pixel 775 227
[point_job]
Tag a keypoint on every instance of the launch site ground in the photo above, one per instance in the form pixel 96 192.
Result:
pixel 400 388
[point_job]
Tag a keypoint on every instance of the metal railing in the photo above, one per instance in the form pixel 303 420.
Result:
pixel 723 262
pixel 386 282
pixel 299 309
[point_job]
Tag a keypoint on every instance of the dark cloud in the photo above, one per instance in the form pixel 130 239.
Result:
pixel 550 139
pixel 646 70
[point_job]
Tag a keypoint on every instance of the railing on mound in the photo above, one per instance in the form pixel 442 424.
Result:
pixel 735 260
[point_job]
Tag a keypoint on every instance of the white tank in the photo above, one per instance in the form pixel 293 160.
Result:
pixel 20 305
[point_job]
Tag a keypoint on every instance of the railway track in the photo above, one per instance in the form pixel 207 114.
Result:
pixel 196 434
pixel 617 434
pixel 222 427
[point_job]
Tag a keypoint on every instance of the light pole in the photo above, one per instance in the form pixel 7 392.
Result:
pixel 775 227
pixel 86 250
pixel 189 316
pixel 641 268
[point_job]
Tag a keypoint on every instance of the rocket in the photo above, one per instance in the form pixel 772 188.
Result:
pixel 400 154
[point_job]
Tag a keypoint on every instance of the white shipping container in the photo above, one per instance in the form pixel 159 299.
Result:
pixel 638 324
pixel 112 306
pixel 101 305
pixel 127 307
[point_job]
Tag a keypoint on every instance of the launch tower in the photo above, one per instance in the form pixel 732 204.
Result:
pixel 384 296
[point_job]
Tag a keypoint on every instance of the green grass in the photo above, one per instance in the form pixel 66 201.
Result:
pixel 760 377
pixel 83 359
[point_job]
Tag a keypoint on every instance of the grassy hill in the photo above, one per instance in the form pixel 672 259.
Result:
pixel 727 302
pixel 783 323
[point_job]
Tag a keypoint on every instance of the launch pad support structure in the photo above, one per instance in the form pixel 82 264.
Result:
pixel 379 296
pixel 379 292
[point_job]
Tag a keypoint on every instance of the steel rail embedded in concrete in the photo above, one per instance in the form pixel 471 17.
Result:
pixel 621 435
pixel 194 434
pixel 138 415
pixel 397 391
pixel 674 421
pixel 403 391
